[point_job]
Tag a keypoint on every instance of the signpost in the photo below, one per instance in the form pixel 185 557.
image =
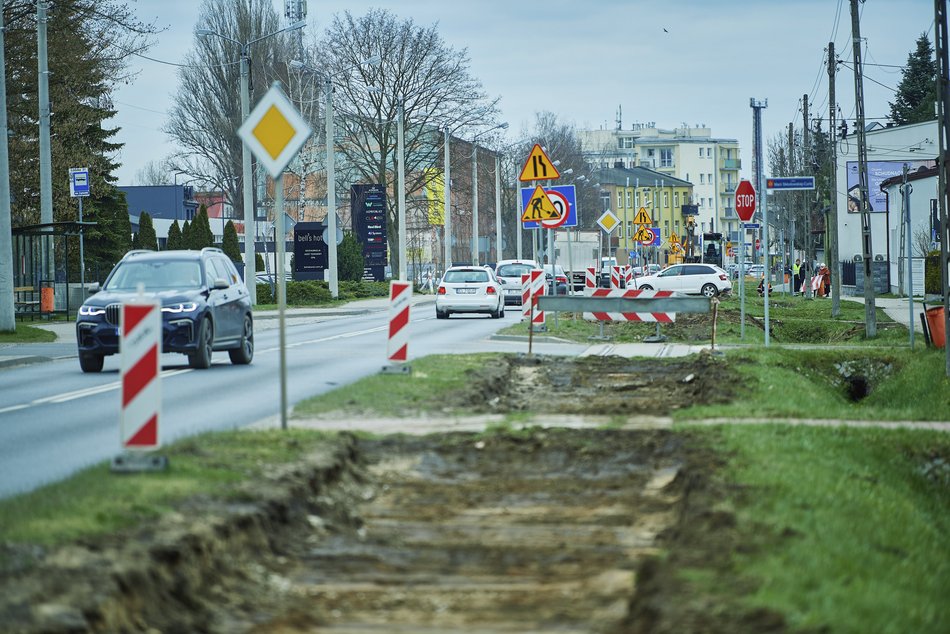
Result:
pixel 79 188
pixel 564 199
pixel 538 167
pixel 745 209
pixel 274 131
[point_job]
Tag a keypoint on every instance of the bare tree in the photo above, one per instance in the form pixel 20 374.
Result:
pixel 154 173
pixel 207 110
pixel 922 242
pixel 418 72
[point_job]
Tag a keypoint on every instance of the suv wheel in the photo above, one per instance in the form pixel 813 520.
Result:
pixel 709 290
pixel 200 359
pixel 91 362
pixel 244 354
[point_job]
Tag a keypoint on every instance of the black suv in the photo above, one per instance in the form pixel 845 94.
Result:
pixel 205 307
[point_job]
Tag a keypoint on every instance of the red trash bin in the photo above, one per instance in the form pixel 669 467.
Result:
pixel 935 323
pixel 47 304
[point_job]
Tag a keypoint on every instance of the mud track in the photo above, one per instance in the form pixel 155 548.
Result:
pixel 532 530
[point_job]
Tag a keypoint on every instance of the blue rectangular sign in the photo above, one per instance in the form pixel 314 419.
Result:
pixel 790 182
pixel 560 196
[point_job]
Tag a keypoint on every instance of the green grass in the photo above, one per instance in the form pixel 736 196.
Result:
pixel 790 383
pixel 27 334
pixel 852 526
pixel 96 501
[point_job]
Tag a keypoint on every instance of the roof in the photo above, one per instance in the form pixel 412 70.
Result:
pixel 620 176
pixel 920 173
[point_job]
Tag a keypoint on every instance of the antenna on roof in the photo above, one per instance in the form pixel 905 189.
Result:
pixel 620 117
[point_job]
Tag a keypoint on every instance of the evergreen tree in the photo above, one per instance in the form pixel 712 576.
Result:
pixel 146 235
pixel 350 261
pixel 230 244
pixel 201 235
pixel 186 231
pixel 258 262
pixel 135 241
pixel 917 92
pixel 174 237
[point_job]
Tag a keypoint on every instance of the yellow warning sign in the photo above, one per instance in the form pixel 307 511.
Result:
pixel 540 207
pixel 674 239
pixel 643 235
pixel 642 218
pixel 538 167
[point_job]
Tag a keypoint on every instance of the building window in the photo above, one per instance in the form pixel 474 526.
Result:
pixel 666 199
pixel 619 199
pixel 651 152
pixel 709 179
pixel 628 197
pixel 676 199
pixel 702 179
pixel 666 157
pixel 700 152
pixel 629 228
pixel 636 199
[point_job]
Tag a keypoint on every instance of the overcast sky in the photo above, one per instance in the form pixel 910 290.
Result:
pixel 667 61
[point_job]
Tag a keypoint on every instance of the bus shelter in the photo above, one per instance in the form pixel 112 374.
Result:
pixel 47 268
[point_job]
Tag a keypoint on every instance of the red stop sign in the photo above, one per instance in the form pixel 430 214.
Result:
pixel 758 244
pixel 745 201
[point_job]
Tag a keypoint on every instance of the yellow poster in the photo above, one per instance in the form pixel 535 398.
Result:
pixel 435 195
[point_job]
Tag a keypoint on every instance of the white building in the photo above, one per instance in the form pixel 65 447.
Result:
pixel 690 154
pixel 888 150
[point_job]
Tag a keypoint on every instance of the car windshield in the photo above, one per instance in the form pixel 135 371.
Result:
pixel 466 277
pixel 156 276
pixel 514 270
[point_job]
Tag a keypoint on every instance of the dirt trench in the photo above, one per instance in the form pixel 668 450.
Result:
pixel 529 530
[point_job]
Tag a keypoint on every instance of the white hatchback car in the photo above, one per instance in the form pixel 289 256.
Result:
pixel 696 279
pixel 469 289
pixel 509 274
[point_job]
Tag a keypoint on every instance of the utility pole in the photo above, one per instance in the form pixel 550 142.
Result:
pixel 46 169
pixel 832 228
pixel 943 133
pixel 870 315
pixel 759 169
pixel 791 196
pixel 7 312
pixel 807 208
pixel 447 210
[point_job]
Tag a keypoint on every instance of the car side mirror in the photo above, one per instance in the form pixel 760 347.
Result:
pixel 220 284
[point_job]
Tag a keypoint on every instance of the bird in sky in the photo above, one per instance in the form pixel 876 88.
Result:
pixel 665 31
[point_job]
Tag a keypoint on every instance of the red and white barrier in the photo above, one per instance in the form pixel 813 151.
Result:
pixel 615 276
pixel 590 280
pixel 525 297
pixel 663 318
pixel 628 276
pixel 400 296
pixel 537 290
pixel 140 331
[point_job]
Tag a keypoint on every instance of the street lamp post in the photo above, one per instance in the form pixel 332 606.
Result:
pixel 500 126
pixel 249 212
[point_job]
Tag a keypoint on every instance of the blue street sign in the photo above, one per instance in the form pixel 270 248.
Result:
pixel 560 196
pixel 751 225
pixel 78 182
pixel 791 182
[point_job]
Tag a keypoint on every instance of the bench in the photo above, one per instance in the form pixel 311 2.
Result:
pixel 25 300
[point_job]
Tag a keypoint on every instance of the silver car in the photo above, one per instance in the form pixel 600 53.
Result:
pixel 509 273
pixel 469 289
pixel 697 279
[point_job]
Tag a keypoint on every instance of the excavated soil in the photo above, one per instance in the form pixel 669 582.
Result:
pixel 529 530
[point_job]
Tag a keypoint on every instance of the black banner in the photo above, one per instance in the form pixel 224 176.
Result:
pixel 310 251
pixel 368 211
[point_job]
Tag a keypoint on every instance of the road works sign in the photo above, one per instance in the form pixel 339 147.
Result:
pixel 538 167
pixel 745 201
pixel 540 207
pixel 564 198
pixel 274 131
pixel 644 235
pixel 642 217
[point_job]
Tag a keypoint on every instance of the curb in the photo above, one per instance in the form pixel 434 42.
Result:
pixel 12 362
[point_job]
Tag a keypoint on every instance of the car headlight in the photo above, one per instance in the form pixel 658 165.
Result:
pixel 91 311
pixel 185 307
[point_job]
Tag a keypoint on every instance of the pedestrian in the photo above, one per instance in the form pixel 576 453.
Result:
pixel 797 276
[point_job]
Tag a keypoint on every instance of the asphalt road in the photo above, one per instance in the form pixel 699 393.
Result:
pixel 55 420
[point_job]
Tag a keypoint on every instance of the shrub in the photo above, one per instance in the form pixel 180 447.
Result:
pixel 307 292
pixel 932 274
pixel 264 294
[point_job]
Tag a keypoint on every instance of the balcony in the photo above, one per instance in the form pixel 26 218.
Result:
pixel 731 164
pixel 729 188
pixel 729 213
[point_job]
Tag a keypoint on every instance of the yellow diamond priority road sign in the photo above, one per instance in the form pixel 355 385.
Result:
pixel 608 221
pixel 274 131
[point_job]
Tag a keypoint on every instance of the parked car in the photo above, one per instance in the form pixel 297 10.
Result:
pixel 469 289
pixel 697 279
pixel 509 273
pixel 205 307
pixel 555 277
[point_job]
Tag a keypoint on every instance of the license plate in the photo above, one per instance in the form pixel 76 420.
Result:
pixel 513 291
pixel 465 291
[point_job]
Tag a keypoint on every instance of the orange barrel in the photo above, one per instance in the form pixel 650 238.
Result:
pixel 46 300
pixel 935 322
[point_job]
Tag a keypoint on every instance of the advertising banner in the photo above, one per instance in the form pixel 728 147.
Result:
pixel 878 172
pixel 368 211
pixel 310 251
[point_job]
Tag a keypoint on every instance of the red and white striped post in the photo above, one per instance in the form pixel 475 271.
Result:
pixel 537 290
pixel 590 280
pixel 525 297
pixel 400 296
pixel 615 277
pixel 628 276
pixel 140 329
